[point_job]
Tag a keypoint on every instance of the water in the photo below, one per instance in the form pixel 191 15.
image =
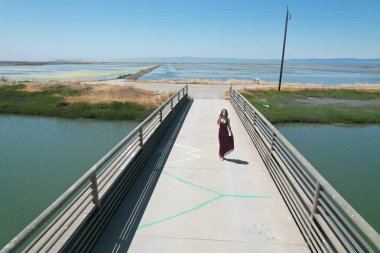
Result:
pixel 40 158
pixel 306 74
pixel 348 157
pixel 317 71
pixel 69 72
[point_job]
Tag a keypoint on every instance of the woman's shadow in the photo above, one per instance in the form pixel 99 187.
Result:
pixel 237 161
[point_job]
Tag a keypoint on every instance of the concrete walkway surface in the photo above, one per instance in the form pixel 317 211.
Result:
pixel 188 200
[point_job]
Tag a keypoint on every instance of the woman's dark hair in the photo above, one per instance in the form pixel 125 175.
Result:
pixel 221 113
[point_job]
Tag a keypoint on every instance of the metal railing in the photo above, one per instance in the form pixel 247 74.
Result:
pixel 75 220
pixel 327 222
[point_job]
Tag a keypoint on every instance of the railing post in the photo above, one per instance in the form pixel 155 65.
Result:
pixel 161 116
pixel 318 189
pixel 178 96
pixel 272 141
pixel 245 104
pixel 94 187
pixel 171 103
pixel 254 118
pixel 141 137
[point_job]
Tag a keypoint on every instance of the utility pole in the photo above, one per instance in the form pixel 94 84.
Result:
pixel 288 17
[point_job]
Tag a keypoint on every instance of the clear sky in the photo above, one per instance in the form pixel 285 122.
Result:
pixel 108 29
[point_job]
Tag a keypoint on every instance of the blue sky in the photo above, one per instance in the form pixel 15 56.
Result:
pixel 102 30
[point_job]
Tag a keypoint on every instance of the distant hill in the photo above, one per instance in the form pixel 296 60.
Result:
pixel 324 62
pixel 306 62
pixel 194 60
pixel 40 63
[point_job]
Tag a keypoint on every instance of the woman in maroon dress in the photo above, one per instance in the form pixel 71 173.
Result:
pixel 226 142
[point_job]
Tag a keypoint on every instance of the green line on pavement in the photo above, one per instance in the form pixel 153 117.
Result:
pixel 190 183
pixel 180 214
pixel 203 204
pixel 246 196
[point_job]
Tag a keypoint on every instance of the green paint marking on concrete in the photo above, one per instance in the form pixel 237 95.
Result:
pixel 190 183
pixel 211 190
pixel 247 196
pixel 181 213
pixel 220 195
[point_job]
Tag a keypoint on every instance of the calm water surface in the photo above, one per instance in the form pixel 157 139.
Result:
pixel 319 71
pixel 292 73
pixel 348 157
pixel 41 157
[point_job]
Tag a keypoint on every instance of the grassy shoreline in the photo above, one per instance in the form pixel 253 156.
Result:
pixel 78 101
pixel 285 106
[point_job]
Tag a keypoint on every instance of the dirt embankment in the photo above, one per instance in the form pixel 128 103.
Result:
pixel 135 76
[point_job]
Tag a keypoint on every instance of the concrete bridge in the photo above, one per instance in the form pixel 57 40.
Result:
pixel 164 189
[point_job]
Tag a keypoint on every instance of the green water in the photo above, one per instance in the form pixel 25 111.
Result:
pixel 348 157
pixel 41 157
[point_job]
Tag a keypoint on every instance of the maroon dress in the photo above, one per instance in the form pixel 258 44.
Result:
pixel 226 142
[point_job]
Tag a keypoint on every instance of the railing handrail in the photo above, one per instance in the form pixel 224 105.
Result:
pixel 58 203
pixel 356 218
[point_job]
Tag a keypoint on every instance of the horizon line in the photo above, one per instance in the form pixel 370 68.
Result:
pixel 182 57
